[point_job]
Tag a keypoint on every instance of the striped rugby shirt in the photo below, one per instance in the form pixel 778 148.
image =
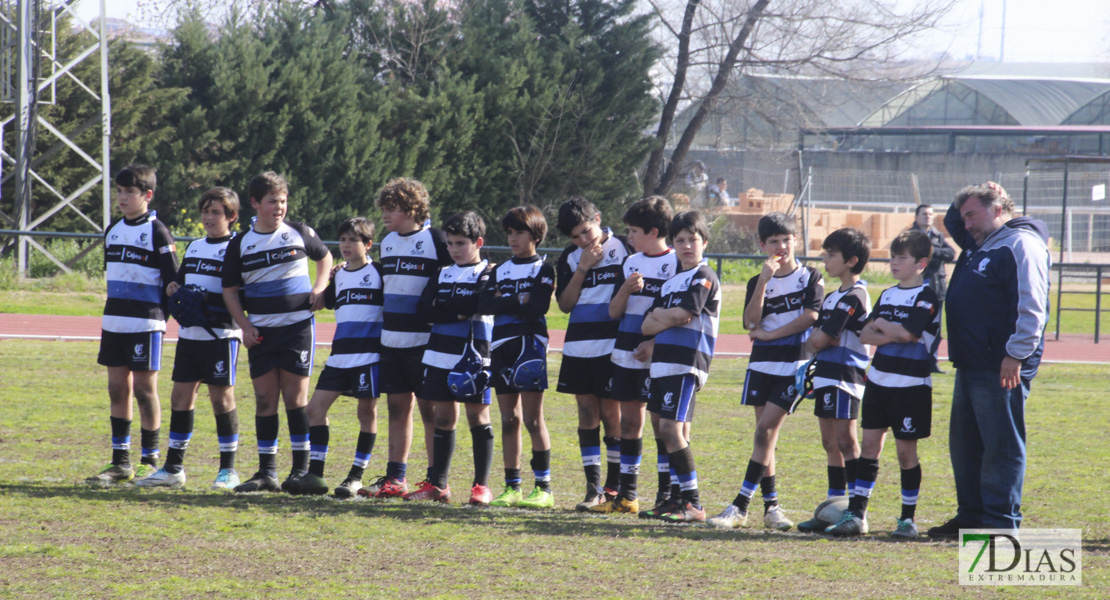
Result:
pixel 203 265
pixel 785 298
pixel 271 270
pixel 513 319
pixel 139 261
pixel 655 270
pixel 842 316
pixel 590 330
pixel 456 292
pixel 356 296
pixel 917 309
pixel 409 261
pixel 688 348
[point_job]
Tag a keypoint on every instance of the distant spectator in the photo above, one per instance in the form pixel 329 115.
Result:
pixel 697 183
pixel 718 194
pixel 935 275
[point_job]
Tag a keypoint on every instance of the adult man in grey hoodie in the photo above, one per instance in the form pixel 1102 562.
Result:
pixel 997 313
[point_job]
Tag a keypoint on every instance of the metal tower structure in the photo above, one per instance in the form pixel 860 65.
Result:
pixel 30 69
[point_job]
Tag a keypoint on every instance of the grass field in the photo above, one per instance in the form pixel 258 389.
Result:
pixel 62 539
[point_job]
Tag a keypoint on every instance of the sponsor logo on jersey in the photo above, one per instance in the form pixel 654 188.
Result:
pixel 925 305
pixel 221 252
pixel 407 266
pixel 209 267
pixel 613 253
pixel 284 236
pixel 142 238
pixel 283 254
pixel 128 254
pixel 901 314
pixel 664 268
pixel 601 276
pixel 366 279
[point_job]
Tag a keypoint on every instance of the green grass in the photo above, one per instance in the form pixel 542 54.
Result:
pixel 59 538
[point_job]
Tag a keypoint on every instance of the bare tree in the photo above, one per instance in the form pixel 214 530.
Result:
pixel 715 40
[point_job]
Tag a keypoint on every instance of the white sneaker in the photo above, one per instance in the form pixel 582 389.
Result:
pixel 906 530
pixel 774 518
pixel 730 518
pixel 162 478
pixel 226 479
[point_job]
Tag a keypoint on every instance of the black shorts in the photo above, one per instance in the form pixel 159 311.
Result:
pixel 435 388
pixel 908 412
pixel 835 403
pixel 291 348
pixel 402 371
pixel 356 382
pixel 136 351
pixel 502 359
pixel 761 388
pixel 579 375
pixel 211 362
pixel 630 384
pixel 673 397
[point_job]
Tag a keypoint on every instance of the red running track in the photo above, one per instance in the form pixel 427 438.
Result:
pixel 1070 348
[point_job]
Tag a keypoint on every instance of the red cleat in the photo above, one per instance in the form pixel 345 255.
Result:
pixel 480 495
pixel 427 491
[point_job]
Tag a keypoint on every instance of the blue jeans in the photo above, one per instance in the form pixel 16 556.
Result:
pixel 987 444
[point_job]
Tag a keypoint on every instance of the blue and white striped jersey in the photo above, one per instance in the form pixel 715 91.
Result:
pixel 842 316
pixel 525 286
pixel 139 261
pixel 785 298
pixel 409 261
pixel 656 270
pixel 590 331
pixel 456 293
pixel 917 309
pixel 203 265
pixel 271 270
pixel 356 296
pixel 688 348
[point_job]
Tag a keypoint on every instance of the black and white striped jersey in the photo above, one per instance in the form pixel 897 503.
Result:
pixel 785 299
pixel 409 261
pixel 140 259
pixel 917 309
pixel 203 265
pixel 271 270
pixel 456 293
pixel 518 296
pixel 357 298
pixel 656 270
pixel 591 331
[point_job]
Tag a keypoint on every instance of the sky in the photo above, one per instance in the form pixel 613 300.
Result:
pixel 1036 30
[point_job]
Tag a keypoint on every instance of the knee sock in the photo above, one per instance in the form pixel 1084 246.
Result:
pixel 364 449
pixel 181 431
pixel 613 462
pixel 867 471
pixel 663 466
pixel 911 485
pixel 541 469
pixel 121 442
pixel 227 431
pixel 149 440
pixel 752 477
pixel 850 467
pixel 770 495
pixel 443 448
pixel 298 438
pixel 267 428
pixel 631 451
pixel 838 482
pixel 482 438
pixel 589 440
pixel 318 438
pixel 512 478
pixel 683 461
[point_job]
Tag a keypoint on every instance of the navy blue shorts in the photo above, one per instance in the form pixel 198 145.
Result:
pixel 136 351
pixel 211 362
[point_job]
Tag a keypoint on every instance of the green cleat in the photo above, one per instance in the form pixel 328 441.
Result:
pixel 112 474
pixel 144 470
pixel 508 498
pixel 309 485
pixel 538 499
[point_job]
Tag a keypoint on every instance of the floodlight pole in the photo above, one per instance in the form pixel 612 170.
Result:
pixel 25 73
pixel 105 119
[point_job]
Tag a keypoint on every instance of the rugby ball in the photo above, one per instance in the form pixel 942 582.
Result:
pixel 831 510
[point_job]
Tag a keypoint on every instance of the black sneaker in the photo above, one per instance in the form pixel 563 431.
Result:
pixel 292 484
pixel 259 482
pixel 950 530
pixel 659 509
